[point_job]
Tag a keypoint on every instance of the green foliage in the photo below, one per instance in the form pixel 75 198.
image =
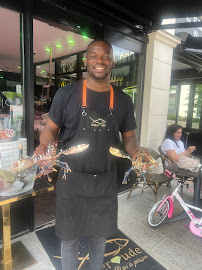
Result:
pixel 181 118
pixel 171 117
pixel 198 97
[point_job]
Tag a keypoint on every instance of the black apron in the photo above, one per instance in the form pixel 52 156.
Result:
pixel 86 203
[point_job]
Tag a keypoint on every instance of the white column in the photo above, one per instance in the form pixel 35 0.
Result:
pixel 156 87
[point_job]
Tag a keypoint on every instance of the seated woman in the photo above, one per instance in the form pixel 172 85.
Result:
pixel 173 147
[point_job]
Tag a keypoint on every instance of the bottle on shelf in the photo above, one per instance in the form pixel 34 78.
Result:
pixel 127 81
pixel 66 68
pixel 71 67
pixel 117 81
pixel 74 66
pixel 63 69
pixel 83 67
pixel 121 80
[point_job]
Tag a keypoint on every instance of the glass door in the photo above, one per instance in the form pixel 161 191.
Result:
pixel 183 105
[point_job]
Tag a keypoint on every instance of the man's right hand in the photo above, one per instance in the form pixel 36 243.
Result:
pixel 49 134
pixel 40 150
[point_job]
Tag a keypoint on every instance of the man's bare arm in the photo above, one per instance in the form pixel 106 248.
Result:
pixel 131 143
pixel 49 134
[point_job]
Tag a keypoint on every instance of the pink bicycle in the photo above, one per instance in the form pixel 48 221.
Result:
pixel 163 209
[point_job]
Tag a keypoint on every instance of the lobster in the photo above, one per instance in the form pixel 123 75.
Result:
pixel 48 161
pixel 142 161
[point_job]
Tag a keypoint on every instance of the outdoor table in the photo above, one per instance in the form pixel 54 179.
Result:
pixel 17 257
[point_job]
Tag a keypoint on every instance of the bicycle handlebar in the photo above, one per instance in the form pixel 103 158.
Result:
pixel 172 175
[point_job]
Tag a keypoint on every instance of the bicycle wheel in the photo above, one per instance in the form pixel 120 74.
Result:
pixel 156 219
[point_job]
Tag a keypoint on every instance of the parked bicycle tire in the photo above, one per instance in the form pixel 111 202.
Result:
pixel 156 219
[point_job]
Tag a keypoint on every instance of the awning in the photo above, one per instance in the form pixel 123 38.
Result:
pixel 147 14
pixel 189 51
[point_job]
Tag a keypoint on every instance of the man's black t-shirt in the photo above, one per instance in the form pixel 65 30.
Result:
pixel 66 109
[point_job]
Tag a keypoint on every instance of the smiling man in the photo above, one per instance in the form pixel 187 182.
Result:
pixel 91 112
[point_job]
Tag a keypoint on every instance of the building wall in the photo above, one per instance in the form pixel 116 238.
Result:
pixel 156 88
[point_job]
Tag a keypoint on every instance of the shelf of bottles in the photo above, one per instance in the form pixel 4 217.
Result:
pixel 70 68
pixel 123 74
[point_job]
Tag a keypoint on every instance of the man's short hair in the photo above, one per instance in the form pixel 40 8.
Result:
pixel 99 40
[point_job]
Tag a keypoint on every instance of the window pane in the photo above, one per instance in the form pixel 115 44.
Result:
pixel 172 105
pixel 11 97
pixel 197 107
pixel 124 74
pixel 183 108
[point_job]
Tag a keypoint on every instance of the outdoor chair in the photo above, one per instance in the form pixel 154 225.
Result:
pixel 172 166
pixel 154 180
pixel 182 174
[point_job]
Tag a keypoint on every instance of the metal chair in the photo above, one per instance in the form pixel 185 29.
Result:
pixel 154 180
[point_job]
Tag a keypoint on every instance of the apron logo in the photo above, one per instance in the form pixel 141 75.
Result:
pixel 97 123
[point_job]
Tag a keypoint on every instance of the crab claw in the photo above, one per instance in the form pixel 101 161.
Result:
pixel 75 149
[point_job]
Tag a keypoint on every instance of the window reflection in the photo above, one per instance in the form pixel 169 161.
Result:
pixel 183 106
pixel 11 97
pixel 10 64
pixel 123 74
pixel 172 105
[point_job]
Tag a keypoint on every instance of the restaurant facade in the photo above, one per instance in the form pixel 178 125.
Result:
pixel 43 48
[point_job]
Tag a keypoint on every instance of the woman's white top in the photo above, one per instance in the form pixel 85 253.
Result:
pixel 168 144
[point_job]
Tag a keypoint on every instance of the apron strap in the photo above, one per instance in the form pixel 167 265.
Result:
pixel 84 103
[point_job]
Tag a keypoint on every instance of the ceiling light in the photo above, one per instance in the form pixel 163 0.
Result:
pixel 70 41
pixel 38 66
pixel 59 45
pixel 1 77
pixel 1 70
pixel 84 36
pixel 19 67
pixel 47 49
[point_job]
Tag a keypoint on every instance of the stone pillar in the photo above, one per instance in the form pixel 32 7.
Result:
pixel 156 87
